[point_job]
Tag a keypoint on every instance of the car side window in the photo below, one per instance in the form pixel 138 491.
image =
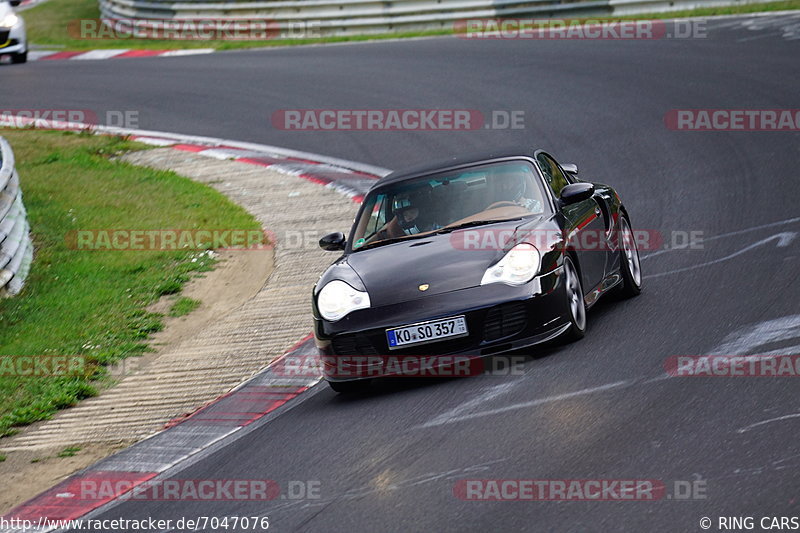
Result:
pixel 552 173
pixel 378 215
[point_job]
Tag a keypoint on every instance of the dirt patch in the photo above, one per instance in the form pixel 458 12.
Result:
pixel 25 474
pixel 238 275
pixel 236 278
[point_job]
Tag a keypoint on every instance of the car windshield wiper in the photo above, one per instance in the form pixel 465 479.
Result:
pixel 472 223
pixel 391 240
pixel 439 231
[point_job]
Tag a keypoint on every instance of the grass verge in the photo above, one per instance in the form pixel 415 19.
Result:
pixel 49 23
pixel 91 305
pixel 183 306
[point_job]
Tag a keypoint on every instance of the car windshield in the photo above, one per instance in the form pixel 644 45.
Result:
pixel 473 196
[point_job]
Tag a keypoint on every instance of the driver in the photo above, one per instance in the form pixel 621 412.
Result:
pixel 412 209
pixel 511 187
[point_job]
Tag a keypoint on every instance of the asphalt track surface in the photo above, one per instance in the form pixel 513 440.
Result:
pixel 601 408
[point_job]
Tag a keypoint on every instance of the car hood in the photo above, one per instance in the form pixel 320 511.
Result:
pixel 394 273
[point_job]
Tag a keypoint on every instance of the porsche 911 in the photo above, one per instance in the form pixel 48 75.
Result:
pixel 471 257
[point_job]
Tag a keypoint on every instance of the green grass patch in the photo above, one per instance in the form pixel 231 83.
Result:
pixel 2 458
pixel 742 9
pixel 69 452
pixel 92 305
pixel 53 24
pixel 49 25
pixel 183 306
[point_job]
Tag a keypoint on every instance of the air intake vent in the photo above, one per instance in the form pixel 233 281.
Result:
pixel 504 320
pixel 353 345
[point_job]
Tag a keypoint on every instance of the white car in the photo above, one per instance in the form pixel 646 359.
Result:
pixel 13 41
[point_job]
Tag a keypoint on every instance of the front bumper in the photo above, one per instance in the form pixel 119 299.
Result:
pixel 13 40
pixel 500 318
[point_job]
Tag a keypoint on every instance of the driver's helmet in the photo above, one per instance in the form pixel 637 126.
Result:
pixel 510 186
pixel 409 206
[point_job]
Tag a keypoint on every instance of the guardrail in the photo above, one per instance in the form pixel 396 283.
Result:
pixel 361 17
pixel 16 248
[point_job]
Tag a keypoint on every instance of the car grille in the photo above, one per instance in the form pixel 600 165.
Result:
pixel 353 345
pixel 504 320
pixel 500 322
pixel 3 37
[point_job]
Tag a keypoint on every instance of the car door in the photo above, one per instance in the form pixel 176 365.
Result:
pixel 585 219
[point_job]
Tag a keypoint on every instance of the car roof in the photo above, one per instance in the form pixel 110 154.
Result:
pixel 474 158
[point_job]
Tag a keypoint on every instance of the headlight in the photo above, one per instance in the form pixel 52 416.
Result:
pixel 337 299
pixel 9 21
pixel 517 267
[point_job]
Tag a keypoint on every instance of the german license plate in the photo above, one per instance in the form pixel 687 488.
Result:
pixel 446 328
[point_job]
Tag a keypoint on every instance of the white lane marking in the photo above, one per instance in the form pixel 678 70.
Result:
pixel 219 153
pixel 440 420
pixel 99 54
pixel 190 52
pixel 155 141
pixel 763 422
pixel 756 37
pixel 728 234
pixel 784 239
pixel 761 334
pixel 662 377
pixel 476 401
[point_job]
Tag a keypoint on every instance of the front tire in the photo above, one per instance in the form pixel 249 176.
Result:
pixel 575 304
pixel 21 57
pixel 630 265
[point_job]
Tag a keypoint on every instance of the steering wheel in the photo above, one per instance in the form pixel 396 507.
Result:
pixel 502 203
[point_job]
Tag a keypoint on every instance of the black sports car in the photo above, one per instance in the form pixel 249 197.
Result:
pixel 476 256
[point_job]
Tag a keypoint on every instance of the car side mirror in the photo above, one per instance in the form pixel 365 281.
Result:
pixel 333 242
pixel 576 192
pixel 15 3
pixel 571 168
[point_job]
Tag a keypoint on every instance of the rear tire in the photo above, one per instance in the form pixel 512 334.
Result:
pixel 21 57
pixel 630 265
pixel 576 306
pixel 349 387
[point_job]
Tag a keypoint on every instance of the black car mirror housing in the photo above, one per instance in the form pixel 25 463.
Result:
pixel 576 192
pixel 333 242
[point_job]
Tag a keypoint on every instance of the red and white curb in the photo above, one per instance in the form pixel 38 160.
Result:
pixel 349 182
pixel 52 55
pixel 244 409
pixel 350 178
pixel 240 411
